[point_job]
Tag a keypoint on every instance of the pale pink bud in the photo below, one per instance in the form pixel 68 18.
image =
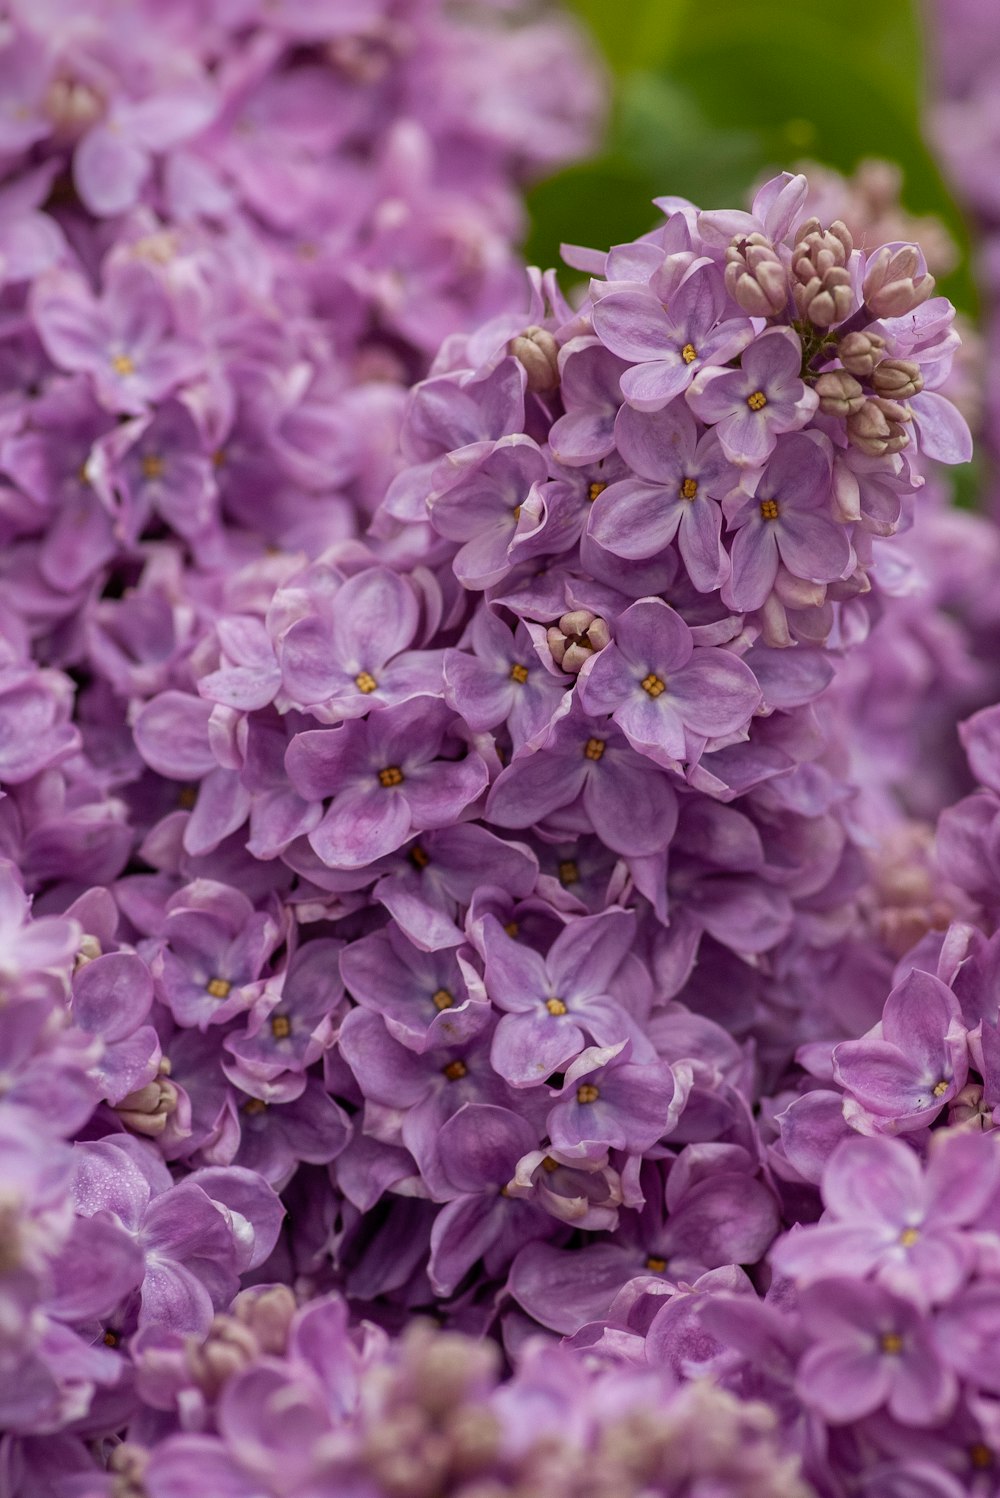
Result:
pixel 826 299
pixel 798 592
pixel 227 1350
pixel 968 1111
pixel 444 1366
pixel 898 378
pixel 854 586
pixel 88 951
pixel 473 1432
pixel 538 351
pixel 127 1462
pixel 893 283
pixel 839 393
pixel 755 277
pixel 846 493
pixel 774 629
pixel 148 1109
pixel 860 352
pixel 267 1313
pixel 822 248
pixel 72 107
pixel 575 639
pixel 822 288
pixel 875 431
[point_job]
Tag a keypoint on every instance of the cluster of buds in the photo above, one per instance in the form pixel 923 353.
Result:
pixel 821 278
pixel 844 355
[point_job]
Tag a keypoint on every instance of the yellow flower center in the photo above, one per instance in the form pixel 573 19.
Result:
pixel 517 512
pixel 594 748
pixel 908 1237
pixel 455 1071
pixel 980 1456
pixel 892 1343
pixel 587 1093
pixel 186 797
pixel 769 509
pixel 122 364
pixel 418 857
pixel 218 988
pixel 656 1265
pixel 390 776
pixel 111 1338
pixel 549 1165
pixel 218 457
pixel 941 1088
pixel 442 999
pixel 594 490
pixel 555 1006
pixel 365 682
pixel 654 685
pixel 689 353
pixel 519 673
pixel 689 488
pixel 281 1026
pixel 568 871
pixel 254 1106
pixel 152 466
pixel 757 401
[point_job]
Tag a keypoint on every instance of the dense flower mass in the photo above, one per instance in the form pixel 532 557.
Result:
pixel 459 867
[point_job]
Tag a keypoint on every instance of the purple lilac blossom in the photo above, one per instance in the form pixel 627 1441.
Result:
pixel 431 880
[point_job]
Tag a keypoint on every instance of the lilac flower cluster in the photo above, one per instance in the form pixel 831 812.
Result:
pixel 286 1401
pixel 432 873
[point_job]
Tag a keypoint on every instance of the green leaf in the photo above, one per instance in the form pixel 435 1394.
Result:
pixel 711 97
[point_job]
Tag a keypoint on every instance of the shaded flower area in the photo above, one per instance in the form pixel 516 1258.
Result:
pixel 482 1007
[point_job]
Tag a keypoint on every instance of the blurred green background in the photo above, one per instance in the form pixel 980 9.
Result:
pixel 712 94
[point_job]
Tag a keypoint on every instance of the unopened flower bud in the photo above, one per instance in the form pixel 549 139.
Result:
pixel 898 378
pixel 854 586
pixel 147 1110
pixel 825 300
pixel 893 411
pixel 774 629
pixel 798 592
pixel 227 1350
pixel 860 352
pixel 575 639
pixel 968 1111
pixel 875 430
pixel 893 282
pixel 821 280
pixel 538 351
pixel 444 1367
pixel 839 393
pixel 824 248
pixel 127 1464
pixel 73 107
pixel 88 951
pixel 473 1432
pixel 755 277
pixel 267 1313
